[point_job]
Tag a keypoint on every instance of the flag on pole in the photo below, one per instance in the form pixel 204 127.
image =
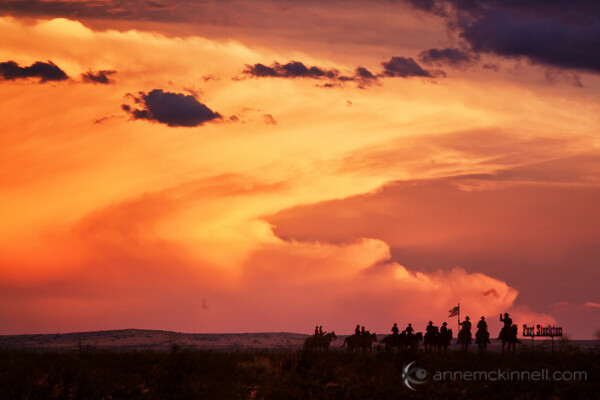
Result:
pixel 454 312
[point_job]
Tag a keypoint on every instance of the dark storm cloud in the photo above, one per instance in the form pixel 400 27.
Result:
pixel 296 69
pixel 293 69
pixel 46 71
pixel 544 40
pixel 574 10
pixel 552 33
pixel 562 34
pixel 433 6
pixel 448 56
pixel 364 77
pixel 364 73
pixel 403 67
pixel 110 9
pixel 260 70
pixel 172 109
pixel 100 77
pixel 396 67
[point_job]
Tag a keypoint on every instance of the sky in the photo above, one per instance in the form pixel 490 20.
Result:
pixel 237 166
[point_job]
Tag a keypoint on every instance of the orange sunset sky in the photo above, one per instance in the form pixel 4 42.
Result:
pixel 251 166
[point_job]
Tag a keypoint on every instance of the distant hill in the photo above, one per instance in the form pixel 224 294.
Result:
pixel 140 339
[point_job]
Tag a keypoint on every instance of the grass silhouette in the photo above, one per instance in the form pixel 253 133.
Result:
pixel 88 373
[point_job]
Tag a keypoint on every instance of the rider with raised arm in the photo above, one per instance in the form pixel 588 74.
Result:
pixel 507 321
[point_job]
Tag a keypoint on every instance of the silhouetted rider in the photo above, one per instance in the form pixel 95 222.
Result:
pixel 482 324
pixel 507 321
pixel 466 324
pixel 395 329
pixel 444 328
pixel 430 328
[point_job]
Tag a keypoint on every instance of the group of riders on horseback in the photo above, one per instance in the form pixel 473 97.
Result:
pixel 435 338
pixel 508 334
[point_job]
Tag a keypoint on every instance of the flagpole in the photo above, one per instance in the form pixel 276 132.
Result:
pixel 458 322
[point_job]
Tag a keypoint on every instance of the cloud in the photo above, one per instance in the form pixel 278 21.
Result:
pixel 315 27
pixel 491 291
pixel 342 284
pixel 433 6
pixel 296 69
pixel 493 67
pixel 129 264
pixel 131 275
pixel 172 109
pixel 121 10
pixel 544 32
pixel 553 75
pixel 543 39
pixel 101 77
pixel 365 74
pixel 403 67
pixel 448 56
pixel 268 118
pixel 528 224
pixel 260 70
pixel 365 77
pixel 395 67
pixel 46 71
pixel 292 69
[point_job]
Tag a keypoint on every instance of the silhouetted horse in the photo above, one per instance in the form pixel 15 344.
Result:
pixel 482 338
pixel 411 340
pixel 436 340
pixel 443 340
pixel 464 338
pixel 402 341
pixel 430 340
pixel 360 342
pixel 392 341
pixel 509 338
pixel 319 342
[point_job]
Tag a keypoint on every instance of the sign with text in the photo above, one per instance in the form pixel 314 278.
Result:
pixel 539 330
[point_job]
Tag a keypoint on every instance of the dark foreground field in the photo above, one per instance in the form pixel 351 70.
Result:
pixel 286 374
